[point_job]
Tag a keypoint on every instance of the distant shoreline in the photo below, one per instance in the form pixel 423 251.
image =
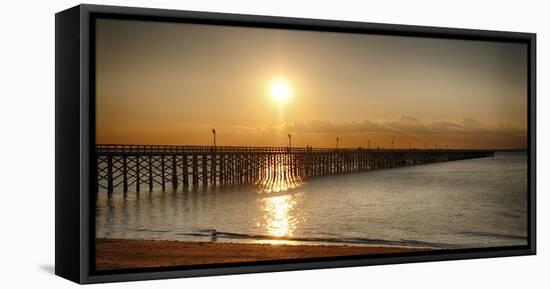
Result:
pixel 127 254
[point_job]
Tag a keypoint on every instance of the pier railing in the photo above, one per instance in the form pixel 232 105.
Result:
pixel 131 167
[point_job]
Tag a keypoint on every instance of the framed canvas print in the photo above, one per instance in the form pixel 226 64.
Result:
pixel 193 144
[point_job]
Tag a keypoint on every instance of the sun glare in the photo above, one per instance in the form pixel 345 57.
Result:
pixel 280 91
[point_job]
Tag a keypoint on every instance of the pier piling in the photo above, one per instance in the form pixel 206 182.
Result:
pixel 121 166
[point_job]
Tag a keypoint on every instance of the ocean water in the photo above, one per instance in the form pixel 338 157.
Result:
pixel 461 204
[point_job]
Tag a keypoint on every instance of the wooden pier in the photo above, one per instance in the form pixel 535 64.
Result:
pixel 139 168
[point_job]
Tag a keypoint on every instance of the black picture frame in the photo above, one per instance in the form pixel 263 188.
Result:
pixel 75 140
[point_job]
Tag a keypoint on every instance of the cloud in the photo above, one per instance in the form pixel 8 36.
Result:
pixel 318 126
pixel 404 124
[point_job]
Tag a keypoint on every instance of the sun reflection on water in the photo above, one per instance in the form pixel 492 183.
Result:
pixel 278 178
pixel 279 215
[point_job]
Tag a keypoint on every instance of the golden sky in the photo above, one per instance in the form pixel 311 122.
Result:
pixel 172 83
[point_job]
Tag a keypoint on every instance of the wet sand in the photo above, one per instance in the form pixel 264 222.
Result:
pixel 126 254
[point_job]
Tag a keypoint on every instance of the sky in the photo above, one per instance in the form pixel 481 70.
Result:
pixel 172 83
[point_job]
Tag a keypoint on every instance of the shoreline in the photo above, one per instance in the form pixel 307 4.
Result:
pixel 130 254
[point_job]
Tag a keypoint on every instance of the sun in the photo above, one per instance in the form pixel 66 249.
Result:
pixel 280 91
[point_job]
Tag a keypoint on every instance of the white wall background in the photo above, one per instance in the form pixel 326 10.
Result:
pixel 27 143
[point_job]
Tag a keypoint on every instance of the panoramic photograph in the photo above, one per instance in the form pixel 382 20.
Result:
pixel 223 144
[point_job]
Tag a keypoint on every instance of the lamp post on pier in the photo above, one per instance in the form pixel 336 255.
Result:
pixel 289 141
pixel 214 135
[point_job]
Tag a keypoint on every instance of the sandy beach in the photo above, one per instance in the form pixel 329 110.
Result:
pixel 126 254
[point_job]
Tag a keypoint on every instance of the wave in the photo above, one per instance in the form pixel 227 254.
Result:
pixel 217 235
pixel 214 235
pixel 495 235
